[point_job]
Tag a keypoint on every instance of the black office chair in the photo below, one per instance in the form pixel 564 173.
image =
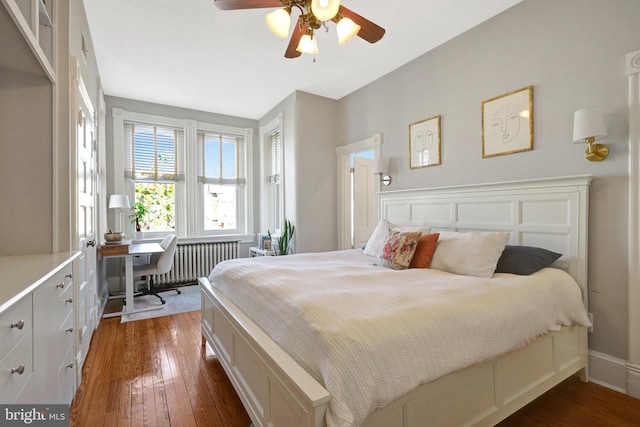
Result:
pixel 158 264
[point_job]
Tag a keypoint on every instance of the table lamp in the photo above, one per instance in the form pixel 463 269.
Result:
pixel 120 202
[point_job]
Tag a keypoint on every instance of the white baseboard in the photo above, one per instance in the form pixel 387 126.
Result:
pixel 609 371
pixel 633 380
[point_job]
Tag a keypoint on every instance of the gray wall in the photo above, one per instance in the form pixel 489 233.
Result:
pixel 572 53
pixel 309 143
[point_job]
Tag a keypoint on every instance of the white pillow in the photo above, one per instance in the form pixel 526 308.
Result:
pixel 375 244
pixel 472 253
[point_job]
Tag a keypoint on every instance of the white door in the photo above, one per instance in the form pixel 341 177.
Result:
pixel 364 192
pixel 85 143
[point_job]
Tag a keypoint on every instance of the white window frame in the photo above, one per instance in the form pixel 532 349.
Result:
pixel 266 217
pixel 242 190
pixel 187 191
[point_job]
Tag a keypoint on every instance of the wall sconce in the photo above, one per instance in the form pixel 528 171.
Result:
pixel 589 127
pixel 382 169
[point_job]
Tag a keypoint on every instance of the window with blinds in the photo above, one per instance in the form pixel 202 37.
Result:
pixel 153 152
pixel 275 159
pixel 274 180
pixel 222 176
pixel 154 165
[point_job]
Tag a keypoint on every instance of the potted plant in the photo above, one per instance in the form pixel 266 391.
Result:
pixel 285 239
pixel 138 215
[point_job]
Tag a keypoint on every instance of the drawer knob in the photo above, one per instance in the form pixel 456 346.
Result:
pixel 69 330
pixel 19 324
pixel 70 300
pixel 69 366
pixel 19 370
pixel 61 285
pixel 68 276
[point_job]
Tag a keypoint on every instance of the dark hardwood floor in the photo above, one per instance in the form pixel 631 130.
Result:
pixel 156 373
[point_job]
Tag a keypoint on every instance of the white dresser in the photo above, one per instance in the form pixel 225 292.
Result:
pixel 37 328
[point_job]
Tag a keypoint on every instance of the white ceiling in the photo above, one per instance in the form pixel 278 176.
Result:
pixel 189 54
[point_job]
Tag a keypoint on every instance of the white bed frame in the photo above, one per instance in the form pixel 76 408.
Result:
pixel 551 213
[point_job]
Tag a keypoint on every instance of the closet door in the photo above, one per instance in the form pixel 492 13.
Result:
pixel 85 144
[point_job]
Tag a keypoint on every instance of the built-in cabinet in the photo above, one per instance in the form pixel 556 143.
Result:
pixel 53 330
pixel 43 293
pixel 37 345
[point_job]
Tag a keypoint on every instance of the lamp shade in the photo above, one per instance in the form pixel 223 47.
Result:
pixel 325 10
pixel 587 123
pixel 279 22
pixel 380 166
pixel 119 201
pixel 347 29
pixel 307 44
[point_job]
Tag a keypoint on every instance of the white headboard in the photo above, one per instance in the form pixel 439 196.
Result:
pixel 551 213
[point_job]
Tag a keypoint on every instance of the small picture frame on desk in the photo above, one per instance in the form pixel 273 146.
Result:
pixel 265 242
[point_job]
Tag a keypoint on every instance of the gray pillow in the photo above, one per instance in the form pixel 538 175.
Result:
pixel 525 260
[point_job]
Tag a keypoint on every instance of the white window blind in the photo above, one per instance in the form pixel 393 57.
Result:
pixel 275 160
pixel 274 180
pixel 221 157
pixel 153 152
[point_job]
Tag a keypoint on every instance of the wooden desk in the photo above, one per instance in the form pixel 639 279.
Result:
pixel 128 250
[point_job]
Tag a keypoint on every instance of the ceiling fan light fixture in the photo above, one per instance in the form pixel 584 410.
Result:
pixel 308 44
pixel 279 22
pixel 325 10
pixel 346 29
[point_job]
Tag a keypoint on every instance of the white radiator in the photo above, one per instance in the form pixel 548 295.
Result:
pixel 193 260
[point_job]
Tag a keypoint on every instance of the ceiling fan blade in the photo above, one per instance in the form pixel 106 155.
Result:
pixel 369 31
pixel 245 4
pixel 298 31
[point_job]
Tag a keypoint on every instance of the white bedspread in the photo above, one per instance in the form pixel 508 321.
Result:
pixel 371 334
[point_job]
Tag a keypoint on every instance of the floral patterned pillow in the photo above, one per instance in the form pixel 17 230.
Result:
pixel 398 249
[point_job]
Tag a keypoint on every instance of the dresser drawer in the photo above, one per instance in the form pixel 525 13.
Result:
pixel 67 378
pixel 16 369
pixel 54 300
pixel 63 279
pixel 15 322
pixel 67 333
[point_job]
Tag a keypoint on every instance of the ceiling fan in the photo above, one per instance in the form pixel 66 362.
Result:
pixel 313 15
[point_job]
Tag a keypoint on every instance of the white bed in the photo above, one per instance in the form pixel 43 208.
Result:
pixel 277 391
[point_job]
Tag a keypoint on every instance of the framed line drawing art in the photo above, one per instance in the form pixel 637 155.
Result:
pixel 424 143
pixel 507 123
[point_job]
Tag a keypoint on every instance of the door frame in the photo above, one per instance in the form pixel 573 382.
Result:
pixel 344 153
pixel 633 363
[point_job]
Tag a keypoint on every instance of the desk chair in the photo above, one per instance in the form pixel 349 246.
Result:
pixel 158 264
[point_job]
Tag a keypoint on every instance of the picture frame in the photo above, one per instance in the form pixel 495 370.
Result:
pixel 507 123
pixel 267 245
pixel 424 143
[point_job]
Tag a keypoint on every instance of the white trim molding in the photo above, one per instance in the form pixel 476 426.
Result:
pixel 608 371
pixel 633 367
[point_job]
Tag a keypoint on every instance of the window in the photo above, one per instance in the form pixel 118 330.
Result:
pixel 272 186
pixel 193 177
pixel 274 180
pixel 221 177
pixel 153 166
